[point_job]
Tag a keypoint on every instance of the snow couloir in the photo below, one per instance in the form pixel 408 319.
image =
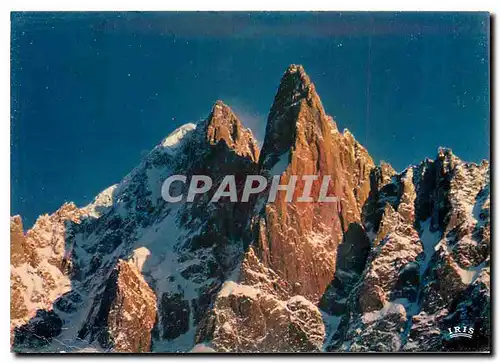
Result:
pixel 254 184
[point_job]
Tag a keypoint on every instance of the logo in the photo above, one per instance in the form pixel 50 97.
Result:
pixel 460 331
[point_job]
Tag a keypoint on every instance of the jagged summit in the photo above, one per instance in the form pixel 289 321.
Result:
pixel 223 124
pixel 296 112
pixel 297 74
pixel 221 117
pixel 295 85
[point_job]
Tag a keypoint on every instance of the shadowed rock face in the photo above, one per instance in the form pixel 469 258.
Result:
pixel 124 315
pixel 39 331
pixel 175 317
pixel 398 259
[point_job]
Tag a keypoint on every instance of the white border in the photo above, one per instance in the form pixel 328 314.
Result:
pixel 355 5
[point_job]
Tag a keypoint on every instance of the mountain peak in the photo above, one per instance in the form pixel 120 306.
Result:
pixel 296 101
pixel 296 68
pixel 223 124
pixel 220 104
pixel 295 82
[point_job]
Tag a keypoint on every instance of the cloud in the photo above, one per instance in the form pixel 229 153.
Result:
pixel 249 117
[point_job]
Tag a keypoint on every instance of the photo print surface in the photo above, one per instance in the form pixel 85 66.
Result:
pixel 263 182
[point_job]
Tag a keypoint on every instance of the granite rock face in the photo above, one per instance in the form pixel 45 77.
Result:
pixel 419 279
pixel 123 316
pixel 390 265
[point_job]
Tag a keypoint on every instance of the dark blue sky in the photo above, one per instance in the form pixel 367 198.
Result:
pixel 93 92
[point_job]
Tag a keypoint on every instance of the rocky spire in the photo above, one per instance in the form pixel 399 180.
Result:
pixel 17 241
pixel 223 124
pixel 294 86
pixel 296 101
pixel 302 140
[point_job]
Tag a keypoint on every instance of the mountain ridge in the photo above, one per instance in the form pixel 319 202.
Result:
pixel 259 276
